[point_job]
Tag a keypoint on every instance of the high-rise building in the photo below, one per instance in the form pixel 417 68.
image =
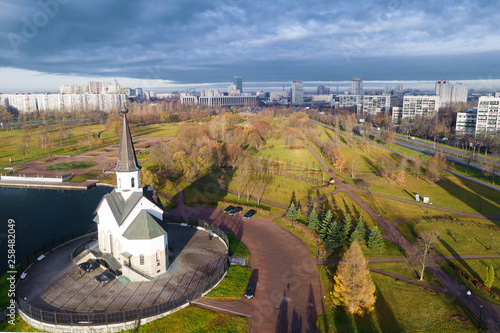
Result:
pixel 322 90
pixel 297 92
pixel 488 121
pixel 357 87
pixel 376 103
pixel 466 122
pixel 419 105
pixel 451 93
pixel 238 82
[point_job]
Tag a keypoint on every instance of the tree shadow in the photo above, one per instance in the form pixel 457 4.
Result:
pixel 293 199
pixel 282 323
pixel 458 257
pixel 385 316
pixel 296 325
pixel 372 165
pixel 347 209
pixel 311 310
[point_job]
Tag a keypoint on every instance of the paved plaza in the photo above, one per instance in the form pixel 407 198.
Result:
pixel 54 283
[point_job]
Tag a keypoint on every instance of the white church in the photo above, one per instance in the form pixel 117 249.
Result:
pixel 129 220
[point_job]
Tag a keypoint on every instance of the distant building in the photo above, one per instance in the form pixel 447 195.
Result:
pixel 419 105
pixel 466 122
pixel 277 95
pixel 92 87
pixel 347 101
pixel 238 83
pixel 357 87
pixel 322 90
pixel 212 98
pixel 451 93
pixel 397 114
pixel 322 99
pixel 376 103
pixel 297 93
pixel 488 121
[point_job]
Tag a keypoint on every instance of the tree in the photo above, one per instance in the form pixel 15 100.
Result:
pixel 490 276
pixel 334 241
pixel 375 240
pixel 401 177
pixel 358 235
pixel 292 213
pixel 416 165
pixel 346 229
pixel 436 167
pixel 423 255
pixel 353 286
pixel 312 219
pixel 324 224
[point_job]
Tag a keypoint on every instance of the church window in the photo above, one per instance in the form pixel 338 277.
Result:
pixel 119 183
pixel 158 258
pixel 141 259
pixel 132 181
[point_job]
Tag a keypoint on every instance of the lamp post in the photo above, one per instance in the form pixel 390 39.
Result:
pixel 491 236
pixel 480 315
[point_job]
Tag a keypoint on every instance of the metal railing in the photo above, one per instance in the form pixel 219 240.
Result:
pixel 102 317
pixel 198 223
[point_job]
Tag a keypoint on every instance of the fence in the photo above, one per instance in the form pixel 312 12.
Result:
pixel 103 318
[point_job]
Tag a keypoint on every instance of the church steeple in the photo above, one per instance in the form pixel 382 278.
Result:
pixel 127 160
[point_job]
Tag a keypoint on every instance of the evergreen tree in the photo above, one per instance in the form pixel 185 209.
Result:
pixel 292 213
pixel 490 276
pixel 334 241
pixel 324 224
pixel 359 233
pixel 375 241
pixel 312 219
pixel 353 286
pixel 346 230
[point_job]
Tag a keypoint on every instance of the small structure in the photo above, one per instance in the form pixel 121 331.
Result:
pixel 129 220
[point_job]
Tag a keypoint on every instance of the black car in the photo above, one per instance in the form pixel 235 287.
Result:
pixel 249 214
pixel 250 292
pixel 102 279
pixel 88 266
pixel 228 209
pixel 236 210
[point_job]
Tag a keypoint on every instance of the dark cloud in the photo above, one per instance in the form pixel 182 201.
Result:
pixel 199 41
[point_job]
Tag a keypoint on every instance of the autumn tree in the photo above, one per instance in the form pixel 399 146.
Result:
pixel 353 286
pixel 401 177
pixel 424 255
pixel 416 165
pixel 436 167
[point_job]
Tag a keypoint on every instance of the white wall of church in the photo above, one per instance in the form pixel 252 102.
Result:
pixel 145 246
pixel 128 181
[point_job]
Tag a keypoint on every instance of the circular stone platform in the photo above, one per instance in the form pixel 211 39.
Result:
pixel 54 285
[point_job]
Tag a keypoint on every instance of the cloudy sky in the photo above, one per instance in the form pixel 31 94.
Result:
pixel 167 44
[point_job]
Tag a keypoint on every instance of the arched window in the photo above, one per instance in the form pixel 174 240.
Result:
pixel 141 259
pixel 158 258
pixel 119 183
pixel 111 244
pixel 132 181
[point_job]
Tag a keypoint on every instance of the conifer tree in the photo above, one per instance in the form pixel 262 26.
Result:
pixel 353 287
pixel 292 213
pixel 334 240
pixel 324 224
pixel 359 233
pixel 375 241
pixel 312 219
pixel 346 230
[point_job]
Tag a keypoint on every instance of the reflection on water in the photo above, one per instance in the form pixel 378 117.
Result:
pixel 43 215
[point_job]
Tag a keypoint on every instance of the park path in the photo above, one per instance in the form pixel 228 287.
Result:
pixel 490 312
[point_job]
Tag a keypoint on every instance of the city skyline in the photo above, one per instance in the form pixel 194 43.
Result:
pixel 188 44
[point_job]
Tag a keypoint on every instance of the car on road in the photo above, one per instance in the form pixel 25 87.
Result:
pixel 102 279
pixel 236 210
pixel 228 209
pixel 88 266
pixel 250 292
pixel 249 214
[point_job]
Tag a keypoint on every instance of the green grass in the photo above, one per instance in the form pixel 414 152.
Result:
pixel 159 130
pixel 84 176
pixel 194 319
pixel 6 172
pixel 66 166
pixel 404 268
pixel 341 204
pixel 233 286
pixel 461 236
pixel 237 248
pixel 400 307
pixel 19 326
pixel 451 192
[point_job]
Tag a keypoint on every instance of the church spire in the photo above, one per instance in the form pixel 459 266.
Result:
pixel 127 160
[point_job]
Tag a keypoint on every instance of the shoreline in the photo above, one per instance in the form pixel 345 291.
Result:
pixel 52 186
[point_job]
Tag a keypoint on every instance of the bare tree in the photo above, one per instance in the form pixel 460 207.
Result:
pixel 424 254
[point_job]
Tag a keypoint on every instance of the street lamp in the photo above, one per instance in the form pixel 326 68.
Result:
pixel 491 236
pixel 480 315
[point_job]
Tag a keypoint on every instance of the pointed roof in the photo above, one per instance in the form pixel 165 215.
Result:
pixel 144 226
pixel 127 160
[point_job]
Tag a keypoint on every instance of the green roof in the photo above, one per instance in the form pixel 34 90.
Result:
pixel 144 226
pixel 120 207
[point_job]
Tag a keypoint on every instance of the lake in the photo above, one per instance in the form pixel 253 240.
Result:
pixel 43 215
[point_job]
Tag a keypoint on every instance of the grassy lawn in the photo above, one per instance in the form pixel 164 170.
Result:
pixel 400 307
pixel 66 166
pixel 395 210
pixel 450 192
pixel 158 130
pixel 461 236
pixel 404 268
pixel 6 172
pixel 194 319
pixel 341 205
pixel 233 286
pixel 476 268
pixel 19 326
pixel 237 248
pixel 83 177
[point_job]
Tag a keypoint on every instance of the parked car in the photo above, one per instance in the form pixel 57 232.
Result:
pixel 88 266
pixel 236 210
pixel 249 214
pixel 250 292
pixel 102 279
pixel 228 209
